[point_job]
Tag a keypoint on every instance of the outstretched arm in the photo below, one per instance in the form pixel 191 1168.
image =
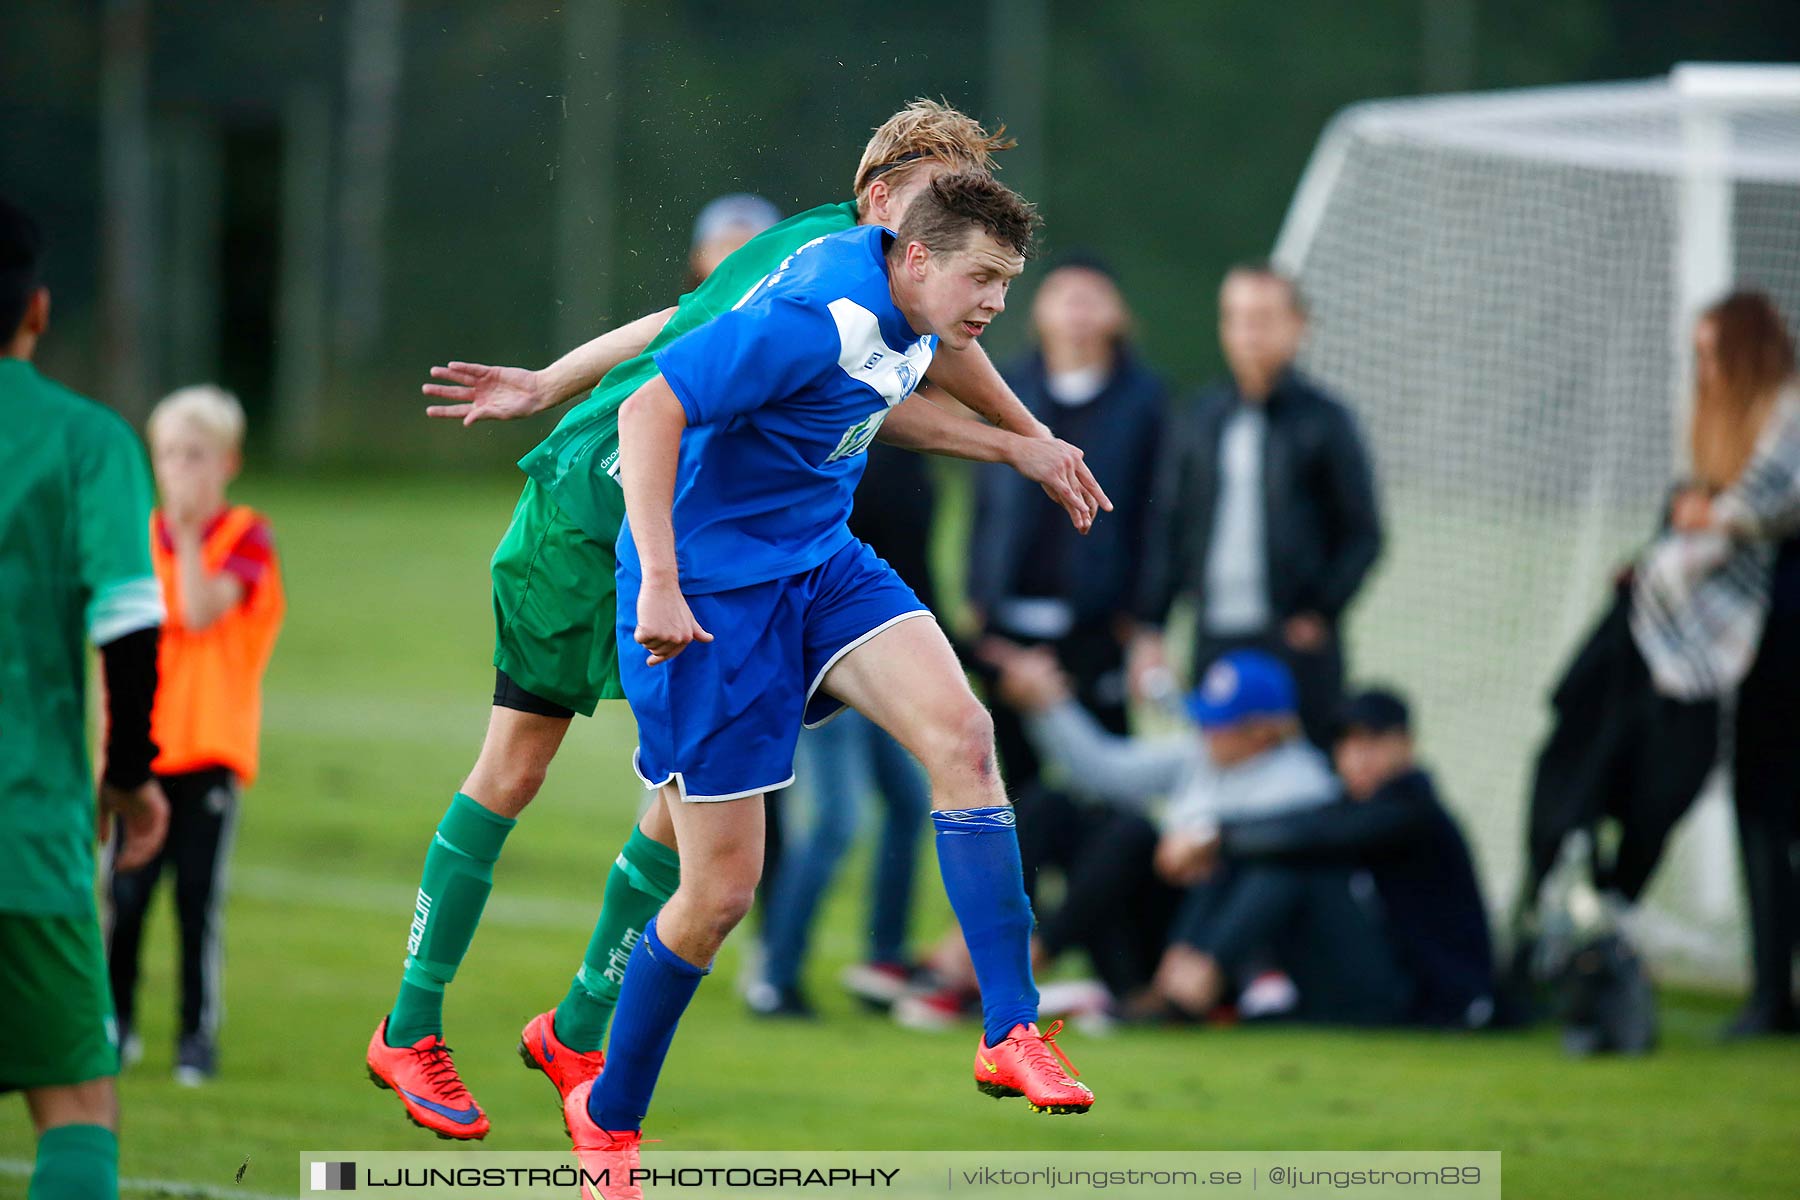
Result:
pixel 485 393
pixel 1344 830
pixel 650 425
pixel 1124 771
pixel 970 377
pixel 919 424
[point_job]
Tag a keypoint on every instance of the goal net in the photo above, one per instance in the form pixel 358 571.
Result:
pixel 1502 287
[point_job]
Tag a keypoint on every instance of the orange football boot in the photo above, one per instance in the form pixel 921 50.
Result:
pixel 1025 1063
pixel 541 1050
pixel 425 1079
pixel 609 1155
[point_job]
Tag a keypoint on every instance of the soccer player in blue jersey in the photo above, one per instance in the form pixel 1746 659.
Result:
pixel 747 609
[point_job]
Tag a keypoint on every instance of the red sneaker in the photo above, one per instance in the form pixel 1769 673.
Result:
pixel 424 1077
pixel 879 985
pixel 541 1050
pixel 1025 1063
pixel 939 1009
pixel 609 1156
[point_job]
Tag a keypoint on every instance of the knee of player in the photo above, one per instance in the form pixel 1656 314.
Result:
pixel 723 904
pixel 966 740
pixel 513 786
pixel 92 1103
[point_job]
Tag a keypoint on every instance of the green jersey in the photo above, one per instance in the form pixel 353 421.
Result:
pixel 578 463
pixel 74 567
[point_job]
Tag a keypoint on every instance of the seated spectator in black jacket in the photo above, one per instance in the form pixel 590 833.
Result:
pixel 1392 823
pixel 1244 757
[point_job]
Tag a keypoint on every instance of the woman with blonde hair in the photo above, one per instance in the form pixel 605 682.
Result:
pixel 1744 510
pixel 1702 592
pixel 1709 608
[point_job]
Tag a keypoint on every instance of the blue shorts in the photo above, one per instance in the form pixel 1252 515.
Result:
pixel 720 719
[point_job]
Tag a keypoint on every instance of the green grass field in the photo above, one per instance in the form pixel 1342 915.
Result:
pixel 376 704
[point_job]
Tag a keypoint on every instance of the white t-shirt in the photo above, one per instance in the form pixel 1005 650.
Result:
pixel 1236 600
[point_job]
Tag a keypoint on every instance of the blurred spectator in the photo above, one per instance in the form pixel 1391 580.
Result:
pixel 1747 468
pixel 722 226
pixel 1249 760
pixel 1712 605
pixel 222 587
pixel 1032 578
pixel 1309 932
pixel 1265 510
pixel 839 763
pixel 1392 823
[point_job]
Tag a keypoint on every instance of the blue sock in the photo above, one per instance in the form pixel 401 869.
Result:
pixel 978 854
pixel 658 985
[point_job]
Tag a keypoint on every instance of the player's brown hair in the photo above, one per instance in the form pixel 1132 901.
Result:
pixel 926 131
pixel 955 205
pixel 1755 357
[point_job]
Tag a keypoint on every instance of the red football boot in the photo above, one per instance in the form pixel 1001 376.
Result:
pixel 541 1050
pixel 1025 1063
pixel 608 1155
pixel 424 1077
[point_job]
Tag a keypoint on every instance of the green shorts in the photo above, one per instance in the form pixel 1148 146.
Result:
pixel 554 605
pixel 58 1027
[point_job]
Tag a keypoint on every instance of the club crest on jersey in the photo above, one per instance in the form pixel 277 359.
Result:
pixel 857 438
pixel 892 371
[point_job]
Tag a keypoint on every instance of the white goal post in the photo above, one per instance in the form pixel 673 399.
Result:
pixel 1502 287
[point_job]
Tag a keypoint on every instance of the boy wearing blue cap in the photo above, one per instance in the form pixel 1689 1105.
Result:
pixel 1250 760
pixel 1248 713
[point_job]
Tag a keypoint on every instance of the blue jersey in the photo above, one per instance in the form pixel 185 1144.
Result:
pixel 783 395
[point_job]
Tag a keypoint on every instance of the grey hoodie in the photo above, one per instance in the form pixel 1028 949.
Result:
pixel 1132 772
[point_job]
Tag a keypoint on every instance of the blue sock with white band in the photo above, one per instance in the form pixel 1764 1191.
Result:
pixel 978 855
pixel 658 986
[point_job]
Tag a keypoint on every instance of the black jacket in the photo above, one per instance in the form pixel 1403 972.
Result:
pixel 1320 516
pixel 1101 573
pixel 1422 869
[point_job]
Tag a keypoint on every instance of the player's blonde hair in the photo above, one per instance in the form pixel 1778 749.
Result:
pixel 206 407
pixel 926 130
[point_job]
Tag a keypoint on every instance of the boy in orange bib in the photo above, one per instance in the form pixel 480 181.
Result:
pixel 222 587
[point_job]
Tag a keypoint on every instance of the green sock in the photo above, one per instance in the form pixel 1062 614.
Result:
pixel 459 874
pixel 76 1162
pixel 641 881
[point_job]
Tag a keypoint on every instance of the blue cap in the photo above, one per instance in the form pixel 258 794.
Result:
pixel 1242 685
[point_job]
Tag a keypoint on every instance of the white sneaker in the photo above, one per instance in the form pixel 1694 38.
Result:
pixel 1271 994
pixel 1073 998
pixel 750 968
pixel 877 985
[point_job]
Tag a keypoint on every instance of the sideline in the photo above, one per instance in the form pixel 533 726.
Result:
pixel 20 1169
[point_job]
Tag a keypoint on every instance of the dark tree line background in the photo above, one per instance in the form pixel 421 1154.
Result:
pixel 314 200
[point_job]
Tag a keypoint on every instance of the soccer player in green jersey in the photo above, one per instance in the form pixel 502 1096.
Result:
pixel 75 544
pixel 554 608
